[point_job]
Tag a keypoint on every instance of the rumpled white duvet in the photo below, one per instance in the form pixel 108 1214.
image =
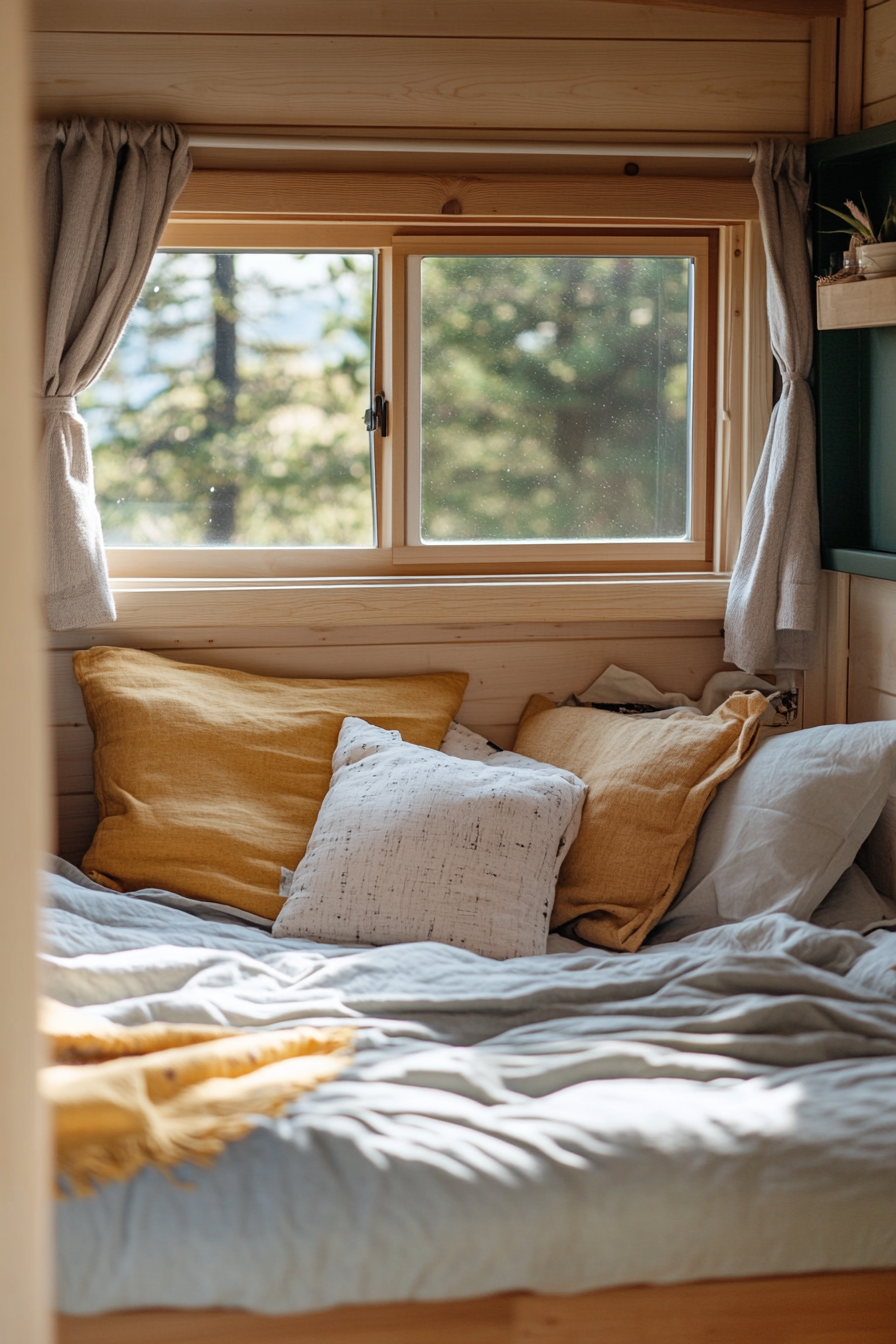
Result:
pixel 723 1106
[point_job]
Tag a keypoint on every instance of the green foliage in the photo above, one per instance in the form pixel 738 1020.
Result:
pixel 554 397
pixel 213 425
pixel 860 225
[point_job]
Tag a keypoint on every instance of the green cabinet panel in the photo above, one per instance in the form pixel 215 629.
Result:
pixel 854 372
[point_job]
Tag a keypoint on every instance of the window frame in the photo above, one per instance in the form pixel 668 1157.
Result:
pixel 726 300
pixel 696 548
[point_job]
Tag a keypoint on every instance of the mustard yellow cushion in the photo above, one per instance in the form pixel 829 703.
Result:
pixel 649 783
pixel 209 780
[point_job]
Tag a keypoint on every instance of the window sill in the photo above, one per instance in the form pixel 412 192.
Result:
pixel 147 604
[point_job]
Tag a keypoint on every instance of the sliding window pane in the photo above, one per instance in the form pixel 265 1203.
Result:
pixel 232 410
pixel 555 398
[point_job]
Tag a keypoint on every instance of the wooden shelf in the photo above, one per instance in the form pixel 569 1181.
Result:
pixel 864 303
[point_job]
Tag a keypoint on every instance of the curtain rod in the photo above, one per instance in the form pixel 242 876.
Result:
pixel 567 147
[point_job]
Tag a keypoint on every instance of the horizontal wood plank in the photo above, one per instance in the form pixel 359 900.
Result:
pixel 878 114
pixel 837 1308
pixel 440 602
pixel 411 18
pixel 400 196
pixel 298 636
pixel 77 819
pixel 73 751
pixel 754 87
pixel 880 53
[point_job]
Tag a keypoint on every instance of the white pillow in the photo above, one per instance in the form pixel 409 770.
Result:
pixel 414 845
pixel 782 830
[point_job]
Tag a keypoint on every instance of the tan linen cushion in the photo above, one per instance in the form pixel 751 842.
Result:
pixel 209 780
pixel 649 783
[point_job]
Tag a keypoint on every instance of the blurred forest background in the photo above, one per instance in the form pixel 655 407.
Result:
pixel 232 409
pixel 555 401
pixel 555 397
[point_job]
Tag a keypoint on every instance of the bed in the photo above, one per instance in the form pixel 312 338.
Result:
pixel 516 1144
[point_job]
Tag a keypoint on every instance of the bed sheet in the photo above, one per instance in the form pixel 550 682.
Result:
pixel 718 1107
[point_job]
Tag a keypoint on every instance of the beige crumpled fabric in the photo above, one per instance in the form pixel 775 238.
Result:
pixel 105 191
pixel 772 598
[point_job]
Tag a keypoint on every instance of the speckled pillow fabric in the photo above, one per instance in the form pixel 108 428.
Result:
pixel 412 845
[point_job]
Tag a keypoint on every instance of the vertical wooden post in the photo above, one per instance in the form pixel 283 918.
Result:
pixel 823 79
pixel 24 1176
pixel 850 67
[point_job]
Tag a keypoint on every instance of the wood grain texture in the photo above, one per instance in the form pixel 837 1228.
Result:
pixel 878 114
pixel 754 87
pixel 860 304
pixel 847 1308
pixel 880 54
pixel 823 79
pixel 850 68
pixel 298 636
pixel 433 601
pixel 825 683
pixel 400 196
pixel 872 649
pixel 411 18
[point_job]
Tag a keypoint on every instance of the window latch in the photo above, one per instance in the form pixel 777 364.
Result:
pixel 376 417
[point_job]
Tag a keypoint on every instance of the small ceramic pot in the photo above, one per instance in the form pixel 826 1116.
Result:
pixel 877 260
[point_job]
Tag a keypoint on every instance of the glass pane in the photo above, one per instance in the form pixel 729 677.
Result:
pixel 231 412
pixel 556 394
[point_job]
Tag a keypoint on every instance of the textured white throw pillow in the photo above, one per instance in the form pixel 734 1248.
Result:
pixel 413 845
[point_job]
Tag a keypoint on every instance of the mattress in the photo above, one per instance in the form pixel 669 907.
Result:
pixel 718 1107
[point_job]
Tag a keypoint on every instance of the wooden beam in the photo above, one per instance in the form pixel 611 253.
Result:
pixel 563 84
pixel 850 67
pixel 393 197
pixel 823 79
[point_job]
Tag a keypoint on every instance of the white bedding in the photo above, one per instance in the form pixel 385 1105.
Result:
pixel 723 1106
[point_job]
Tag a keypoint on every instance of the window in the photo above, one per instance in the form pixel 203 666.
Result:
pixel 232 411
pixel 550 403
pixel 551 397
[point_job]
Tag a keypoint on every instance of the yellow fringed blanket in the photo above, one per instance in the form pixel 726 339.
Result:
pixel 166 1093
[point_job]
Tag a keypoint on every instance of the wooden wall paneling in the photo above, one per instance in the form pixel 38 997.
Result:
pixel 410 18
pixel 298 636
pixel 823 79
pixel 872 650
pixel 878 114
pixel 77 819
pixel 879 84
pixel 825 684
pixel 395 197
pixel 850 68
pixel 441 601
pixel 754 87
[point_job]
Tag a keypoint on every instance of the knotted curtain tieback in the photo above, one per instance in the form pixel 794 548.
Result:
pixel 67 404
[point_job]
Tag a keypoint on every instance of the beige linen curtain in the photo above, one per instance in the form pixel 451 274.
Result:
pixel 770 621
pixel 105 191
